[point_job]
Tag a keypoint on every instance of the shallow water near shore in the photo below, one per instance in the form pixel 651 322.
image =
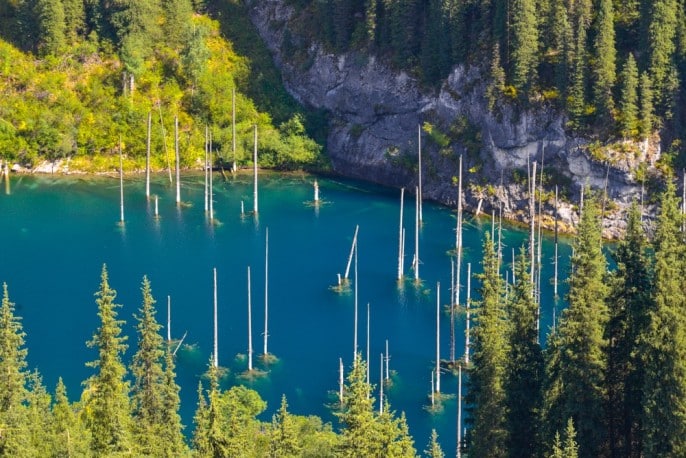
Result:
pixel 57 232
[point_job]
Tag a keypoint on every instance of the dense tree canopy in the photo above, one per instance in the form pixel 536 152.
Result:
pixel 565 54
pixel 103 66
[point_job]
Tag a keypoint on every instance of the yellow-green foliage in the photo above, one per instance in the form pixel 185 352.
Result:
pixel 77 105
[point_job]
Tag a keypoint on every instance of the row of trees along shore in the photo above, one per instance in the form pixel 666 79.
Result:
pixel 611 381
pixel 616 68
pixel 79 78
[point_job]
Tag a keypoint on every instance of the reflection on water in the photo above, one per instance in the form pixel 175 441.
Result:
pixel 57 233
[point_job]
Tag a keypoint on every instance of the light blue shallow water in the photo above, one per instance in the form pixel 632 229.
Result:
pixel 56 233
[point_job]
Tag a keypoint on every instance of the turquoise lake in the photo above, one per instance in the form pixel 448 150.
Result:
pixel 57 232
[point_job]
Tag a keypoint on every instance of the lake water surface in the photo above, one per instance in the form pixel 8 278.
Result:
pixel 57 232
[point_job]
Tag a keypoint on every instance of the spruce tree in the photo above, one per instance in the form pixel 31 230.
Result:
pixel 661 43
pixel 496 85
pixel 171 431
pixel 664 349
pixel 646 123
pixel 13 382
pixel 577 361
pixel 69 435
pixel 605 56
pixel 360 429
pixel 567 448
pixel 561 45
pixel 106 396
pixel 434 52
pixel 177 21
pixel 629 303
pixel 148 375
pixel 524 366
pixel 201 420
pixel 524 44
pixel 434 450
pixel 51 26
pixel 284 440
pixel 74 19
pixel 576 99
pixel 39 417
pixel 208 440
pixel 486 395
pixel 628 117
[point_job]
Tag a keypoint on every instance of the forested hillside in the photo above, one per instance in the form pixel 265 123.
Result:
pixel 615 67
pixel 78 76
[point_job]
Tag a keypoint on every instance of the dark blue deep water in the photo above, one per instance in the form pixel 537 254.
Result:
pixel 56 233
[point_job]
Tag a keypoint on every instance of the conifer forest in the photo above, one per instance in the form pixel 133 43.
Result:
pixel 81 79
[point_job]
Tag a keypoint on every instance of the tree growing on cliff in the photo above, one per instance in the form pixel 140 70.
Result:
pixel 524 44
pixel 628 105
pixel 605 56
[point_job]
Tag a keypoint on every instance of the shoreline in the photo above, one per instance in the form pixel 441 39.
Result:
pixel 62 167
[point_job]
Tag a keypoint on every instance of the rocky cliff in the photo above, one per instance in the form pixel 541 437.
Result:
pixel 375 113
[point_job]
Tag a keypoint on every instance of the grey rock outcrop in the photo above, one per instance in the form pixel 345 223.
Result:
pixel 375 113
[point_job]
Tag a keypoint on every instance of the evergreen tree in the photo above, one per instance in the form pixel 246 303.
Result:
pixel 576 100
pixel 360 430
pixel 486 395
pixel 135 24
pixel 207 437
pixel 661 43
pixel 524 44
pixel 568 448
pixel 74 19
pixel 13 382
pixel 434 46
pixel 194 55
pixel 370 21
pixel 606 55
pixel 51 26
pixel 38 417
pixel 70 437
pixel 171 435
pixel 524 367
pixel 646 123
pixel 403 30
pixel 226 424
pixel 106 397
pixel 146 367
pixel 394 437
pixel 434 450
pixel 201 434
pixel 496 85
pixel 628 118
pixel 561 45
pixel 576 354
pixel 177 21
pixel 284 434
pixel 664 352
pixel 629 302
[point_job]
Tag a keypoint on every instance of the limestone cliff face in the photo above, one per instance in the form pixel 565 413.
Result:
pixel 375 113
